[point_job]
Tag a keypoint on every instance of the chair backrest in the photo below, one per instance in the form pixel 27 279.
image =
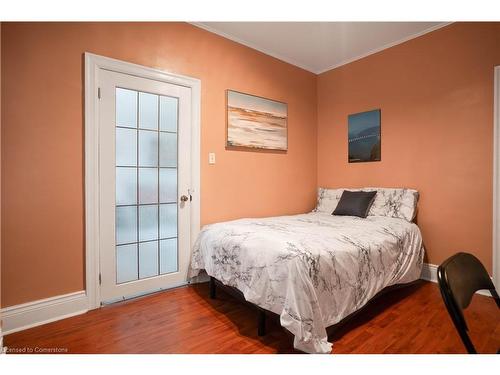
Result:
pixel 459 277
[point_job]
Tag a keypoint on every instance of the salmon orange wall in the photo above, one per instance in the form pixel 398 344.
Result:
pixel 436 97
pixel 435 93
pixel 43 149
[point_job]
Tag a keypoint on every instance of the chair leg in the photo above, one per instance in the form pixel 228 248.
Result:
pixel 212 287
pixel 262 323
pixel 467 342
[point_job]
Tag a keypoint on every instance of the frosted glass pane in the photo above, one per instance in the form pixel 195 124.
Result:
pixel 148 223
pixel 126 224
pixel 126 185
pixel 126 108
pixel 168 255
pixel 148 185
pixel 126 263
pixel 168 185
pixel 126 147
pixel 168 150
pixel 168 113
pixel 148 148
pixel 148 111
pixel 148 259
pixel 168 220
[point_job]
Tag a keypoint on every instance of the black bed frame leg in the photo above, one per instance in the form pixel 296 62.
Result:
pixel 211 285
pixel 262 323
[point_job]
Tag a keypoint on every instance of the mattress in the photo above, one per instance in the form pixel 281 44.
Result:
pixel 312 269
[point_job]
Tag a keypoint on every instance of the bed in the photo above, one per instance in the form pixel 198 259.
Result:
pixel 315 269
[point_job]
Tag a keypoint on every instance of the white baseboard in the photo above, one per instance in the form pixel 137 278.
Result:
pixel 27 315
pixel 429 273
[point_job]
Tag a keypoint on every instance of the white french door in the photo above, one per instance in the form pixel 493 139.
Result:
pixel 144 181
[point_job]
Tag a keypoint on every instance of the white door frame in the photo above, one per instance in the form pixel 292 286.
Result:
pixel 496 180
pixel 93 63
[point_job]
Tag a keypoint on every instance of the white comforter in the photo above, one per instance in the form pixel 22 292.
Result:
pixel 312 269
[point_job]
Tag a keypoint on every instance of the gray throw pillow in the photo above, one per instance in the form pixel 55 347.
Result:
pixel 355 203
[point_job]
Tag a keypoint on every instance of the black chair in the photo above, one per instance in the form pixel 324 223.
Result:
pixel 459 277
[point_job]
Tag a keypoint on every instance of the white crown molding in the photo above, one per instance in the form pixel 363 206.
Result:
pixel 429 273
pixel 27 315
pixel 309 68
pixel 254 46
pixel 385 46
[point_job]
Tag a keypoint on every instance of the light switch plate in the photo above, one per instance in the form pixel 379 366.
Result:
pixel 211 158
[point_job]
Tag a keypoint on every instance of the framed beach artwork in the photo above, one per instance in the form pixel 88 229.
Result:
pixel 256 122
pixel 364 136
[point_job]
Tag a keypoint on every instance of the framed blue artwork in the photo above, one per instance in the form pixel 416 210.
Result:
pixel 364 136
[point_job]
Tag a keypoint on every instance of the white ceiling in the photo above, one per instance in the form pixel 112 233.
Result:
pixel 319 46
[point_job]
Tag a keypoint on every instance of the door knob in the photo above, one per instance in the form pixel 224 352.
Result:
pixel 184 198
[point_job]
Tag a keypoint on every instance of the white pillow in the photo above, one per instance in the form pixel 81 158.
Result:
pixel 329 198
pixel 391 202
pixel 394 202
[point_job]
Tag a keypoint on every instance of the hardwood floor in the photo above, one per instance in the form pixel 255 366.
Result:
pixel 186 320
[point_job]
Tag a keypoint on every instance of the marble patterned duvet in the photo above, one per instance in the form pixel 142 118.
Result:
pixel 311 269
